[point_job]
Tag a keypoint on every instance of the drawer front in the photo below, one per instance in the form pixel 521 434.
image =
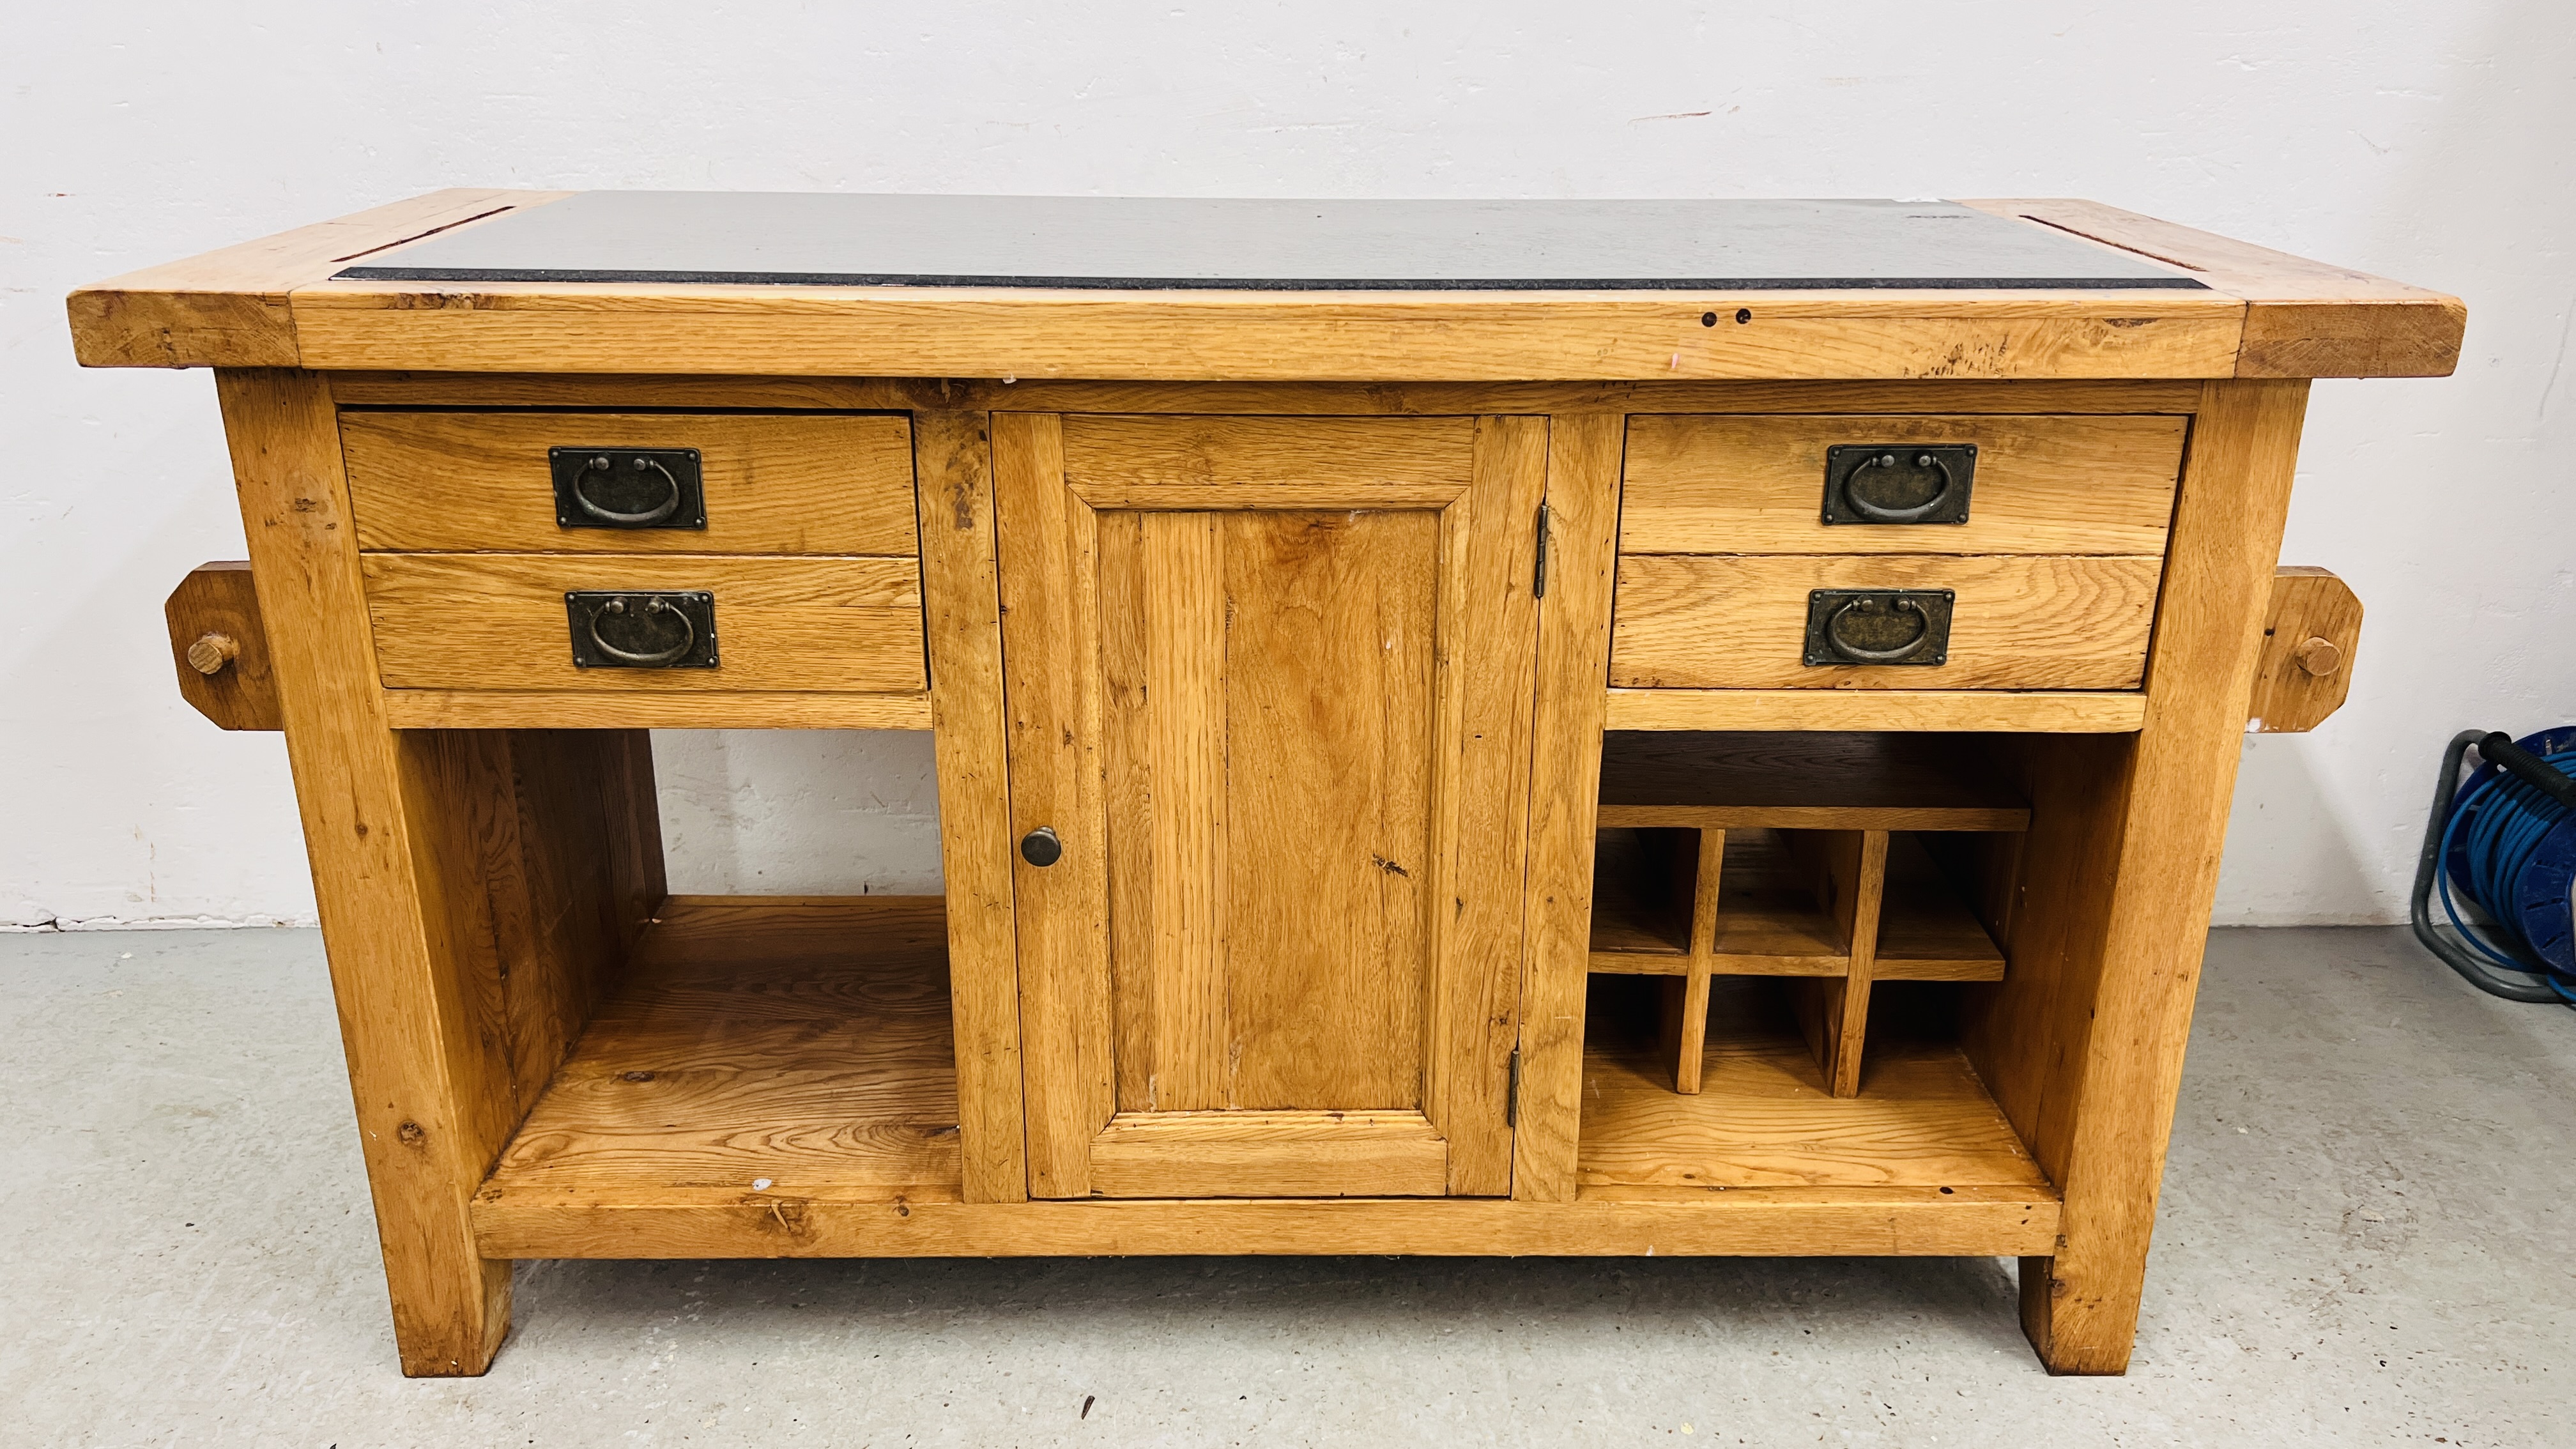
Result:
pixel 771 483
pixel 2038 485
pixel 1742 622
pixel 500 621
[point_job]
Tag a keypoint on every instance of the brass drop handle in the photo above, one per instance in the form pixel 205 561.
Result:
pixel 1858 655
pixel 1041 848
pixel 672 655
pixel 646 519
pixel 1876 514
pixel 212 652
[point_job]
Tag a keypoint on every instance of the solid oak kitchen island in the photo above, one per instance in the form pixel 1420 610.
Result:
pixel 1472 728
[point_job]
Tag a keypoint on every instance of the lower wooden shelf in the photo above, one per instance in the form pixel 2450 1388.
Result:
pixel 789 1046
pixel 774 1078
pixel 1763 1118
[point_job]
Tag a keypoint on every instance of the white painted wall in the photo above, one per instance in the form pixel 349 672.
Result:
pixel 2424 139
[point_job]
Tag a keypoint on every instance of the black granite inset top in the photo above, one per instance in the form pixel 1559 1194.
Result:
pixel 830 239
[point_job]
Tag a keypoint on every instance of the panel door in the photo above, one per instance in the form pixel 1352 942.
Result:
pixel 1269 690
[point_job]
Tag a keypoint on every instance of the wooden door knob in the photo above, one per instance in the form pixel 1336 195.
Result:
pixel 2318 656
pixel 212 652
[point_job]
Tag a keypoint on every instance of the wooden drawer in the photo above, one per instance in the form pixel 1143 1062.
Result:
pixel 1740 622
pixel 777 483
pixel 497 621
pixel 2042 485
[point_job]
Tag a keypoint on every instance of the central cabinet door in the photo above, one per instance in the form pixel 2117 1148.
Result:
pixel 1269 684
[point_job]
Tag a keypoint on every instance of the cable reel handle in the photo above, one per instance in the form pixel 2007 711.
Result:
pixel 2527 767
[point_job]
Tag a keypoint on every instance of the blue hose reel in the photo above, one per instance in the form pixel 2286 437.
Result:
pixel 2503 844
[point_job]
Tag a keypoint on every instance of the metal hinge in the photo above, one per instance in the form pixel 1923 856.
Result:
pixel 1538 579
pixel 1512 1093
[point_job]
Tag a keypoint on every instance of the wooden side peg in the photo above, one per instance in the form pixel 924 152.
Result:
pixel 221 648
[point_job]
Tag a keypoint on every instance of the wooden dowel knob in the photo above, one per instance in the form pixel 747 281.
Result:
pixel 212 652
pixel 2318 656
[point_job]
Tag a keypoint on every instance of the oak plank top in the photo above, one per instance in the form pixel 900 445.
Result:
pixel 229 308
pixel 1181 290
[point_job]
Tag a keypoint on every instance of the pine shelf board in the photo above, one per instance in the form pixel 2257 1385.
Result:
pixel 805 1041
pixel 799 1042
pixel 1763 1119
pixel 1823 781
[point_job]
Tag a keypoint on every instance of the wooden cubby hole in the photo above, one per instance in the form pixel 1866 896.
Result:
pixel 1796 855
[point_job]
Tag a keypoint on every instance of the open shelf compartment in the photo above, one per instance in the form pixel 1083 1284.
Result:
pixel 1789 855
pixel 1764 1116
pixel 792 1046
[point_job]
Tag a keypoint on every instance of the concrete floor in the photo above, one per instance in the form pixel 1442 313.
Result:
pixel 2365 1239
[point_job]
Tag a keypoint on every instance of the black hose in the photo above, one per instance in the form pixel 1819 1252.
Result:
pixel 2419 913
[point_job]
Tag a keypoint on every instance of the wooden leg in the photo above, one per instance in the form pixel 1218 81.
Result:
pixel 406 836
pixel 953 478
pixel 2083 1042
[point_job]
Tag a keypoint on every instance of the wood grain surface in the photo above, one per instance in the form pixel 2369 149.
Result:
pixel 1583 453
pixel 2083 1040
pixel 1261 336
pixel 1254 462
pixel 218 603
pixel 1762 919
pixel 230 308
pixel 2302 318
pixel 748 709
pixel 962 619
pixel 1270 1154
pixel 1705 621
pixel 475 482
pixel 1849 868
pixel 1947 396
pixel 1763 1118
pixel 393 877
pixel 497 621
pixel 1999 710
pixel 788 1046
pixel 2042 485
pixel 758 1044
pixel 268 303
pixel 1806 780
pixel 2311 631
pixel 1305 722
pixel 1055 675
pixel 1627 1222
pixel 1270 779
pixel 1486 680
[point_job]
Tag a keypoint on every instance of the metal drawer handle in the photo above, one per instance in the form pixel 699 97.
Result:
pixel 1858 655
pixel 646 519
pixel 1876 514
pixel 659 657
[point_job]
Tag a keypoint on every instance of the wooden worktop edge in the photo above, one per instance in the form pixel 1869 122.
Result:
pixel 2303 318
pixel 1246 336
pixel 271 303
pixel 230 307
